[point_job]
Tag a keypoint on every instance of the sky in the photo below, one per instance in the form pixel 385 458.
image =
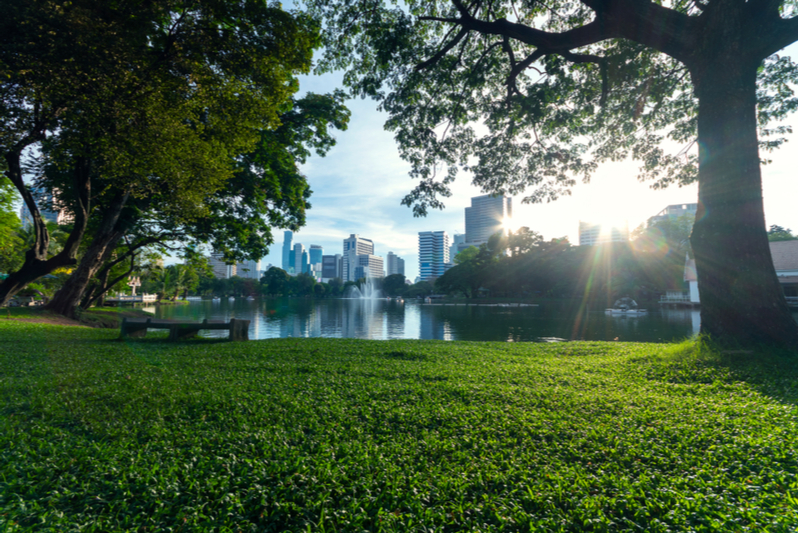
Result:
pixel 358 186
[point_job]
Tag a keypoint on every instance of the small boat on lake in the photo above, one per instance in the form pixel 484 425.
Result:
pixel 626 307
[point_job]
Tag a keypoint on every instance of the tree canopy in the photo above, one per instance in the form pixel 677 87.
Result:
pixel 779 233
pixel 528 97
pixel 147 132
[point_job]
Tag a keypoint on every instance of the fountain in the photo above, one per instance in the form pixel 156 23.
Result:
pixel 368 291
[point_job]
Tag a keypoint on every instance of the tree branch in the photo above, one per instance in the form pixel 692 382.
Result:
pixel 784 33
pixel 441 53
pixel 641 21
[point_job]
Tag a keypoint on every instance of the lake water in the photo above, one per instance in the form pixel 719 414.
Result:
pixel 382 319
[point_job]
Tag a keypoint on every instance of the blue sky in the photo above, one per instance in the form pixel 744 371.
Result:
pixel 358 186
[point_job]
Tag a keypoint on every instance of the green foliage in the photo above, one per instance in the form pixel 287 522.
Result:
pixel 778 233
pixel 469 253
pixel 180 117
pixel 597 275
pixel 11 246
pixel 345 435
pixel 275 282
pixel 419 289
pixel 531 97
pixel 667 236
pixel 394 285
pixel 268 190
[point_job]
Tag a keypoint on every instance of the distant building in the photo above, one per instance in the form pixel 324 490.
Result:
pixel 315 254
pixel 672 212
pixel 300 258
pixel 434 253
pixel 315 260
pixel 591 234
pixel 249 269
pixel 286 260
pixel 784 259
pixel 352 247
pixel 331 267
pixel 485 217
pixel 220 268
pixel 458 243
pixel 368 266
pixel 58 214
pixel 395 264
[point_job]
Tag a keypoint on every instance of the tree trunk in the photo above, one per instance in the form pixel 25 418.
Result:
pixel 36 263
pixel 742 302
pixel 107 236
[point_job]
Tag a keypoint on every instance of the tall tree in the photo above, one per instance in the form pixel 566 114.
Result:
pixel 266 190
pixel 535 93
pixel 138 99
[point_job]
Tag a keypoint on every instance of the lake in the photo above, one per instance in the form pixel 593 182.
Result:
pixel 382 319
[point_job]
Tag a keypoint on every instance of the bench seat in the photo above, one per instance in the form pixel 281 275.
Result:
pixel 137 328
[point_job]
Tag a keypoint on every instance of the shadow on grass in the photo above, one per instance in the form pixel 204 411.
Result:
pixel 769 371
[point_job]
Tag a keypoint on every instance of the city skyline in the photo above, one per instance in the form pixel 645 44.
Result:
pixel 358 187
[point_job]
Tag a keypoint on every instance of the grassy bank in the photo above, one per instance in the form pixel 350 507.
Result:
pixel 96 317
pixel 348 435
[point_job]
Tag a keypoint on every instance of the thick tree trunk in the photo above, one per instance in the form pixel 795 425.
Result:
pixel 742 302
pixel 101 288
pixel 36 263
pixel 68 298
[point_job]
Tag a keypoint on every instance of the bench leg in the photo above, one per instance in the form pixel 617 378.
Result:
pixel 132 333
pixel 239 330
pixel 177 333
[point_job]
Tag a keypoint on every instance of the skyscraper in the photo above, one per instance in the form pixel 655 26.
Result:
pixel 368 266
pixel 485 217
pixel 249 269
pixel 394 264
pixel 286 262
pixel 434 254
pixel 315 254
pixel 352 247
pixel 221 269
pixel 300 258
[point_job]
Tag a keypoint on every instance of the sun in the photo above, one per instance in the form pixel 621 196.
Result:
pixel 510 225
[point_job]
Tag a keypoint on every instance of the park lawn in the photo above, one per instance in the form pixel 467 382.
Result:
pixel 98 434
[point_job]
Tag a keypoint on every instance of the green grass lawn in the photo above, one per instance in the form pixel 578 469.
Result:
pixel 349 435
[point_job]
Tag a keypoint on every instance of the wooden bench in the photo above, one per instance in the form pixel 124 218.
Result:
pixel 137 327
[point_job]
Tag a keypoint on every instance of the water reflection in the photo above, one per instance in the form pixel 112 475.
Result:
pixel 385 319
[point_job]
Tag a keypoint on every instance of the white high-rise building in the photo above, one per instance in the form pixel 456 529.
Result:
pixel 220 269
pixel 591 234
pixel 368 266
pixel 249 269
pixel 434 254
pixel 485 217
pixel 298 265
pixel 354 246
pixel 395 264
